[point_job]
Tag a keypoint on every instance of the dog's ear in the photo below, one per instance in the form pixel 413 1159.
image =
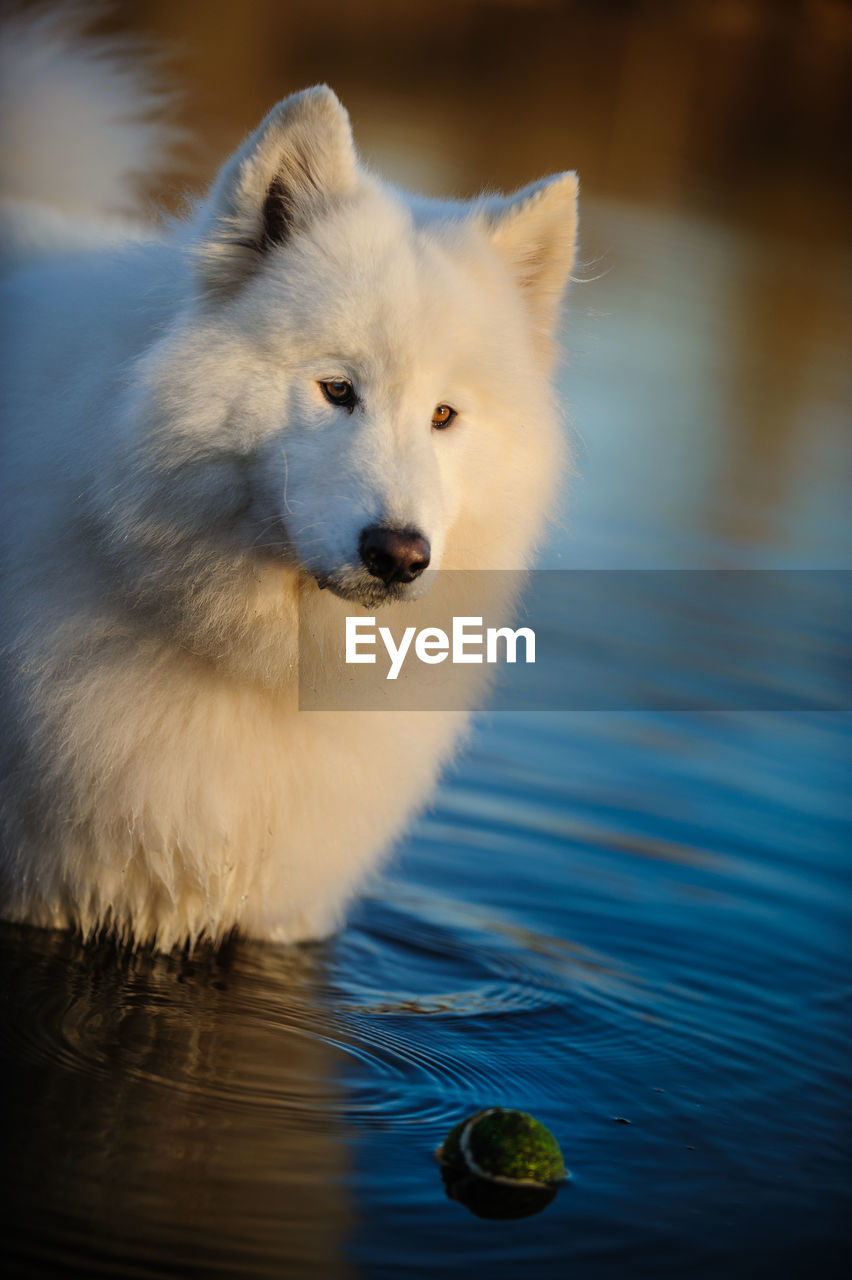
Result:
pixel 535 231
pixel 290 170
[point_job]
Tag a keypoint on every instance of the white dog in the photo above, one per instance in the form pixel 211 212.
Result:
pixel 315 381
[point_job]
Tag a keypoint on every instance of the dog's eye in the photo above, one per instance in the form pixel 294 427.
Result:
pixel 339 392
pixel 443 416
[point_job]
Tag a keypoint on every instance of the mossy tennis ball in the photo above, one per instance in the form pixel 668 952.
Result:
pixel 505 1146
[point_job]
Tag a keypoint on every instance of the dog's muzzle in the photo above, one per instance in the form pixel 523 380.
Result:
pixel 394 555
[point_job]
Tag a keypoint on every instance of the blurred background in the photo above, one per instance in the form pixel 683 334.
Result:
pixel 707 339
pixel 635 925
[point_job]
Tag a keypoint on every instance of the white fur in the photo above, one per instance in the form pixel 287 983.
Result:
pixel 175 488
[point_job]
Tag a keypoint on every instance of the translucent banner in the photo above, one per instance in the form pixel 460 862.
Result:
pixel 586 640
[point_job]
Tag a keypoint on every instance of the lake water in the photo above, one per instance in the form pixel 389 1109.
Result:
pixel 635 925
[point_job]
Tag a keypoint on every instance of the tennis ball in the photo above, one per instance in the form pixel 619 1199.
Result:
pixel 504 1146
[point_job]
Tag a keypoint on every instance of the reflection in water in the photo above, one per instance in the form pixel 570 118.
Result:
pixel 673 952
pixel 163 1113
pixel 491 1200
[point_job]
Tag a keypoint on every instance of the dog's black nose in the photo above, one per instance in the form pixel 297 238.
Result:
pixel 394 555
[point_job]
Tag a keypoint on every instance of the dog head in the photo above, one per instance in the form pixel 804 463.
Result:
pixel 390 352
pixel 352 391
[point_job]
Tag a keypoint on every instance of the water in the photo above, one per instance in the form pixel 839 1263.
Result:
pixel 605 918
pixel 605 915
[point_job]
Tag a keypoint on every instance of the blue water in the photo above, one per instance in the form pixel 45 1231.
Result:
pixel 605 916
pixel 649 920
pixel 634 925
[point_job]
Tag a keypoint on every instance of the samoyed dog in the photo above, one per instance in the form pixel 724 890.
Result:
pixel 288 405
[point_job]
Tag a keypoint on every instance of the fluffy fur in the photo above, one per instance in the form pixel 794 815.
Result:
pixel 176 489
